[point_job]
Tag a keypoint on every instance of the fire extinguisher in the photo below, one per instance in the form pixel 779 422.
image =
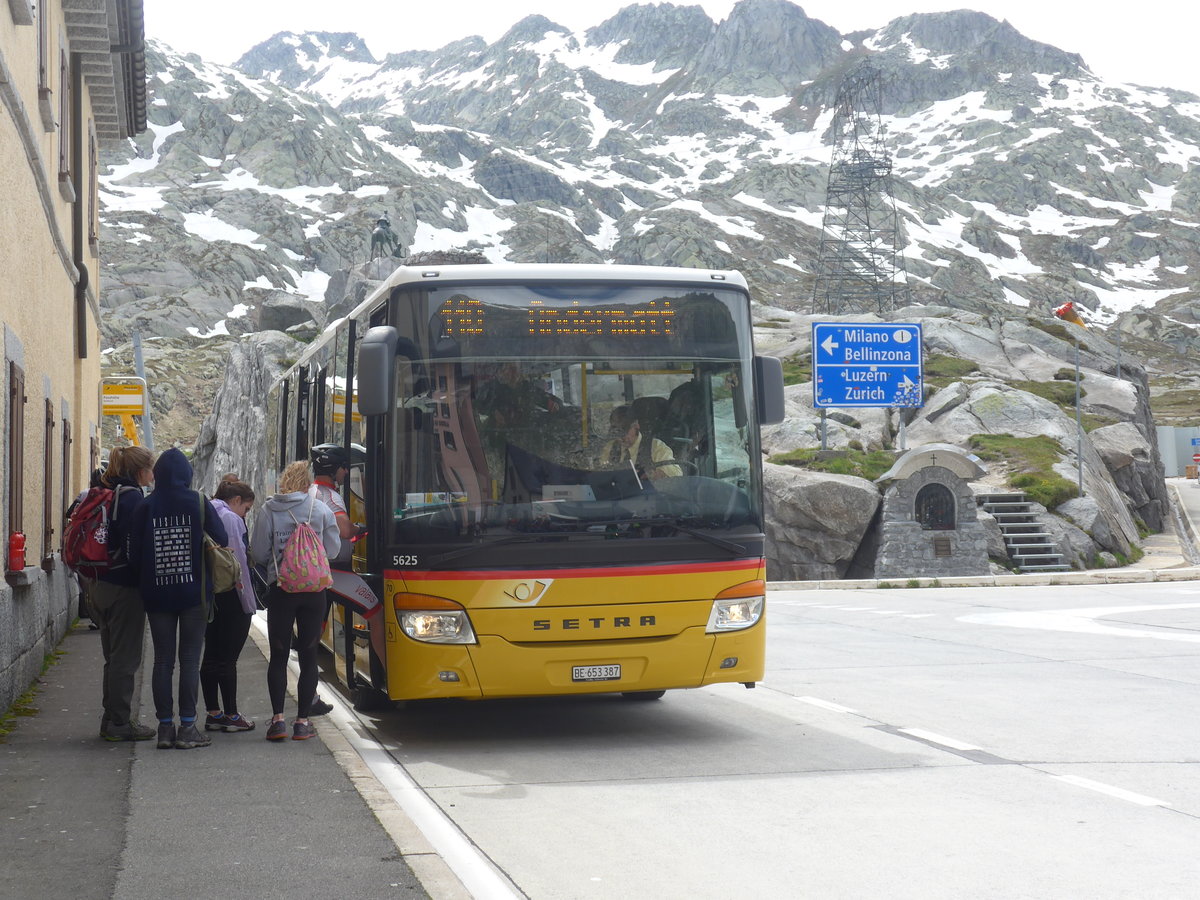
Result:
pixel 16 551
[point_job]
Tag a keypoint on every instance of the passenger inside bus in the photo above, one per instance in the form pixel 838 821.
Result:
pixel 651 457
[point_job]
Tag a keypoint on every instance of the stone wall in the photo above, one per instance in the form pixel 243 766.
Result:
pixel 907 550
pixel 33 619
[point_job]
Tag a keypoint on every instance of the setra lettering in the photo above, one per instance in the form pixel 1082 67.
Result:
pixel 597 622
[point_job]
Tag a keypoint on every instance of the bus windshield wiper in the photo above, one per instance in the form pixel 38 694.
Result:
pixel 708 538
pixel 472 549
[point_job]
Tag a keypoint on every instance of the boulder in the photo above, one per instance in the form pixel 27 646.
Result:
pixel 815 522
pixel 233 436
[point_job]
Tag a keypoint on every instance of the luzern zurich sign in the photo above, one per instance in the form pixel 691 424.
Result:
pixel 861 364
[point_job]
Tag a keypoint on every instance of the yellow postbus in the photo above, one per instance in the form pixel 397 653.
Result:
pixel 558 467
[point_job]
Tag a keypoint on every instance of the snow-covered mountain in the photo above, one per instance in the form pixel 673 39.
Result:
pixel 662 137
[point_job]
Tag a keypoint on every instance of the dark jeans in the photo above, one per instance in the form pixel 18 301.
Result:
pixel 307 612
pixel 223 642
pixel 188 626
pixel 117 609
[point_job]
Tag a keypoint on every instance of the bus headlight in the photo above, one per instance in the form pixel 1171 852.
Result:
pixel 433 620
pixel 737 607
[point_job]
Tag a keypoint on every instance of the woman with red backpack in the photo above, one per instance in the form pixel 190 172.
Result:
pixel 298 576
pixel 115 599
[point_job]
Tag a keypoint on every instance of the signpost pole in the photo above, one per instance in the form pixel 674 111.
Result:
pixel 140 368
pixel 1078 418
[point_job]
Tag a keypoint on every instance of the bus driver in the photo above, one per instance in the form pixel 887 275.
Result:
pixel 656 461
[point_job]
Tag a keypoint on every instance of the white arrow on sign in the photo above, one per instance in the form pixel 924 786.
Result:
pixel 829 344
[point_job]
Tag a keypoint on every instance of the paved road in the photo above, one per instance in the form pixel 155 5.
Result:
pixel 980 742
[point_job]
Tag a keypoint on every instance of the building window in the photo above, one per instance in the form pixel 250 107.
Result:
pixel 66 128
pixel 48 513
pixel 935 507
pixel 65 498
pixel 16 447
pixel 93 205
pixel 45 93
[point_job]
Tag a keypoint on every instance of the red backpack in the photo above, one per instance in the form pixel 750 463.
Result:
pixel 85 541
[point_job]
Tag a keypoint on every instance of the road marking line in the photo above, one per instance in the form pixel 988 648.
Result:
pixel 886 612
pixel 858 608
pixel 1120 793
pixel 825 704
pixel 938 739
pixel 918 615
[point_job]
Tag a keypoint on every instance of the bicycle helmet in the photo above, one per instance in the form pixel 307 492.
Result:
pixel 328 458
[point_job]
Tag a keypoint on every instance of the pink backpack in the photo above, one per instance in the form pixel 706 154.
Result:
pixel 303 567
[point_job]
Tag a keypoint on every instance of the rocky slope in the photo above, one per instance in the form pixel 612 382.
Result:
pixel 1021 181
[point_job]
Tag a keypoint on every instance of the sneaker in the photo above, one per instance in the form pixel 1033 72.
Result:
pixel 216 723
pixel 134 731
pixel 319 707
pixel 189 738
pixel 166 735
pixel 238 722
pixel 277 731
pixel 302 731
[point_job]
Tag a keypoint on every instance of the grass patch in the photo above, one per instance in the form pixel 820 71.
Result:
pixel 1061 393
pixel 942 370
pixel 868 465
pixel 1061 331
pixel 1031 461
pixel 1177 407
pixel 23 705
pixel 797 370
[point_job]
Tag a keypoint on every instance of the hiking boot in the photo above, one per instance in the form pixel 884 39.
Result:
pixel 302 731
pixel 216 723
pixel 134 731
pixel 277 731
pixel 237 722
pixel 190 737
pixel 166 735
pixel 319 707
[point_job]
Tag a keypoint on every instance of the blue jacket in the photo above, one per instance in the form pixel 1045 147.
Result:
pixel 165 541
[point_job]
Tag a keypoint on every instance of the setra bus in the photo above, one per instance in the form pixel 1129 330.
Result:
pixel 558 467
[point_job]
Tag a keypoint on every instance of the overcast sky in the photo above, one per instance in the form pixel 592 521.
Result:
pixel 1151 42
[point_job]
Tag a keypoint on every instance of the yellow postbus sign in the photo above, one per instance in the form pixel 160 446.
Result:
pixel 339 406
pixel 125 398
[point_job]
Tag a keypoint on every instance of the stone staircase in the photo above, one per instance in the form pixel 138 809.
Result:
pixel 1029 546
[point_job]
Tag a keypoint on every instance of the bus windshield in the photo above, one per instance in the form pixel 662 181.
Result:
pixel 555 412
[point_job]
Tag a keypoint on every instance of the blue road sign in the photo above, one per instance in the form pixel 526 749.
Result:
pixel 1196 442
pixel 860 364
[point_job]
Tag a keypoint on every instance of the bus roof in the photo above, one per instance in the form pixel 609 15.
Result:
pixel 560 272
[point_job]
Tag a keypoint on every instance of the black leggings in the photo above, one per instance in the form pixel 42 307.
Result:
pixel 307 612
pixel 223 642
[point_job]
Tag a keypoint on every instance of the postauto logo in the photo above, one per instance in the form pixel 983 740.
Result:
pixel 528 593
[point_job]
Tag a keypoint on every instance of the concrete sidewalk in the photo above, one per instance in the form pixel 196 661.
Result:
pixel 84 818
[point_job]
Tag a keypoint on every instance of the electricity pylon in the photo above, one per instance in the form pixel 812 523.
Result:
pixel 857 266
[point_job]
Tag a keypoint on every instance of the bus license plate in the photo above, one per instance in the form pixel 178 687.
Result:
pixel 596 673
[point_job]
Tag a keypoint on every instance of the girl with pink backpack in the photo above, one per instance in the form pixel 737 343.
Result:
pixel 294 536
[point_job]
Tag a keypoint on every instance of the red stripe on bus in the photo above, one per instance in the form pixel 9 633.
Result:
pixel 605 572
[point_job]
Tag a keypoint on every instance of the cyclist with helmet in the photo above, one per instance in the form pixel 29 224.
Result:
pixel 331 465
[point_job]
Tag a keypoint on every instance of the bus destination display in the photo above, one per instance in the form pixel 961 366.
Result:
pixel 464 316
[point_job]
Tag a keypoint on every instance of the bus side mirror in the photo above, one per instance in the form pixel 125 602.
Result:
pixel 768 388
pixel 376 372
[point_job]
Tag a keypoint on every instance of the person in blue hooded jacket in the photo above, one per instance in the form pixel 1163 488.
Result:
pixel 167 547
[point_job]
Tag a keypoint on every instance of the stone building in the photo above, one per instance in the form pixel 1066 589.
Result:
pixel 72 77
pixel 929 527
